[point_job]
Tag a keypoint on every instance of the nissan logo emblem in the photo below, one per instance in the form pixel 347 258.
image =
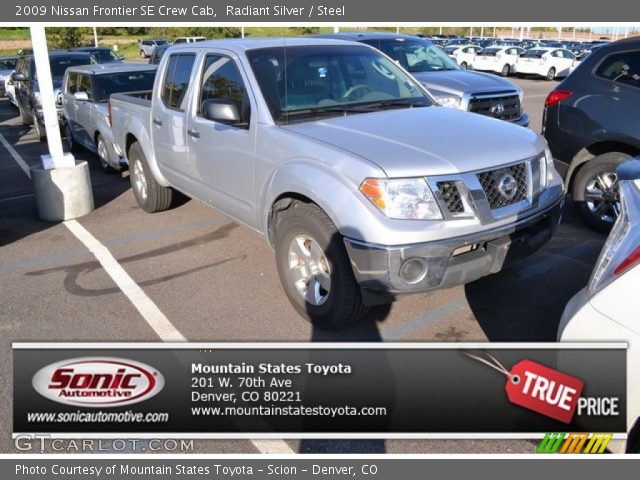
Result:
pixel 507 186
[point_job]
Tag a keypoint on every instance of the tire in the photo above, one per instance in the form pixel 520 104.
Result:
pixel 595 191
pixel 505 70
pixel 40 131
pixel 72 145
pixel 25 117
pixel 151 196
pixel 103 155
pixel 551 74
pixel 142 55
pixel 464 66
pixel 334 304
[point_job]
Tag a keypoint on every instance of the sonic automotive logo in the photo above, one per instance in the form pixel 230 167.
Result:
pixel 98 382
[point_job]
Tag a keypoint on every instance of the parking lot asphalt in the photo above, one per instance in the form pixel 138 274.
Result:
pixel 217 281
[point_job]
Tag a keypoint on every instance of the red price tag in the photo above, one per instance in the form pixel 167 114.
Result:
pixel 539 388
pixel 544 390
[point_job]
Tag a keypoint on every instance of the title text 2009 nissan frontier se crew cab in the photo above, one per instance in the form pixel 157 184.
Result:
pixel 365 189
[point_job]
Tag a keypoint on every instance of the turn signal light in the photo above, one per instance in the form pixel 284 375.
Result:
pixel 632 260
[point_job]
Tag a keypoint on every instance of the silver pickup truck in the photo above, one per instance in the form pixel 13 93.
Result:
pixel 366 189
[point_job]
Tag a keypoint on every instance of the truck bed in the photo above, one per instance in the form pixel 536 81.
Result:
pixel 140 98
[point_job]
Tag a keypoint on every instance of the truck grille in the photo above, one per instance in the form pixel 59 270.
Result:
pixel 451 197
pixel 505 186
pixel 504 106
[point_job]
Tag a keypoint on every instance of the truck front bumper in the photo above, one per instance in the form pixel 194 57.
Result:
pixel 445 263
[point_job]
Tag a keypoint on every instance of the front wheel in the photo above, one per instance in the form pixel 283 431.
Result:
pixel 150 195
pixel 464 66
pixel 596 193
pixel 314 267
pixel 505 70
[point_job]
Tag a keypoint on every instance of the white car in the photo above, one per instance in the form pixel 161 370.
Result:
pixel 548 62
pixel 497 59
pixel 607 309
pixel 189 40
pixel 464 55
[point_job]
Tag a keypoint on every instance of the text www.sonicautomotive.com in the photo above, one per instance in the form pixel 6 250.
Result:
pixel 97 417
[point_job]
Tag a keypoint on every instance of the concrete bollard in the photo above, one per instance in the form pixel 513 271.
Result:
pixel 62 193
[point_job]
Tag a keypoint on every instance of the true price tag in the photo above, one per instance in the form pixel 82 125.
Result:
pixel 542 389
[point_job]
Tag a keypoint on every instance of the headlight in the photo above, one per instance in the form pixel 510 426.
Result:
pixel 402 198
pixel 546 168
pixel 449 101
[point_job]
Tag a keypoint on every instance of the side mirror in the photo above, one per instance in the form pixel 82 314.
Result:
pixel 81 96
pixel 220 110
pixel 17 77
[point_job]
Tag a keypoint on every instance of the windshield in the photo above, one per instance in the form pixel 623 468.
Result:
pixel 106 84
pixel 104 55
pixel 8 63
pixel 415 55
pixel 60 64
pixel 310 81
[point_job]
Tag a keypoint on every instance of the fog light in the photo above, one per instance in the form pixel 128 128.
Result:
pixel 413 270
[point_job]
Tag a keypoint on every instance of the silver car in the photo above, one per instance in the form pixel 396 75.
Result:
pixel 85 99
pixel 7 65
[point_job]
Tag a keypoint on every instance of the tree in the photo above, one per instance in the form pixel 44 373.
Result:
pixel 64 37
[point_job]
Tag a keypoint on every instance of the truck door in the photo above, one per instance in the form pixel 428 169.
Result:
pixel 221 153
pixel 168 124
pixel 82 108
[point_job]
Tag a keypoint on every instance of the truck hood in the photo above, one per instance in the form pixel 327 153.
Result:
pixel 425 141
pixel 463 81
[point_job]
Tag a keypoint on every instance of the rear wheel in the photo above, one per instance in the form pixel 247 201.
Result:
pixel 596 193
pixel 551 74
pixel 40 131
pixel 103 155
pixel 505 70
pixel 150 195
pixel 464 65
pixel 314 267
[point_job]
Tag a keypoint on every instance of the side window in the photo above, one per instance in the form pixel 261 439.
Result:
pixel 176 80
pixel 72 83
pixel 621 68
pixel 84 85
pixel 221 80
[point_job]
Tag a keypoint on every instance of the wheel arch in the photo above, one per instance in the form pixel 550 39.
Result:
pixel 598 148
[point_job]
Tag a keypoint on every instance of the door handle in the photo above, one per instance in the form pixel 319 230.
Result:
pixel 157 122
pixel 193 133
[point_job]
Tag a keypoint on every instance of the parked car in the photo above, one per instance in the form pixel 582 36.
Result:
pixel 148 46
pixel 607 309
pixel 27 88
pixel 101 54
pixel 253 127
pixel 7 65
pixel 592 125
pixel 497 59
pixel 453 87
pixel 157 54
pixel 547 62
pixel 180 40
pixel 464 55
pixel 85 98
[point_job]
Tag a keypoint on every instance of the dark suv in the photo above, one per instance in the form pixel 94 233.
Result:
pixel 25 80
pixel 592 123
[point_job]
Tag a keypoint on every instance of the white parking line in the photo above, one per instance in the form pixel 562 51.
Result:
pixel 139 299
pixel 16 156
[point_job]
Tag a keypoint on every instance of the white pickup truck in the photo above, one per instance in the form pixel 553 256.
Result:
pixel 364 186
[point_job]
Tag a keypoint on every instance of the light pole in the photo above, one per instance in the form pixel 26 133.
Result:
pixel 95 37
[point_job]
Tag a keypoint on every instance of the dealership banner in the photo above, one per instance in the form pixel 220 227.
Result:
pixel 311 390
pixel 311 11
